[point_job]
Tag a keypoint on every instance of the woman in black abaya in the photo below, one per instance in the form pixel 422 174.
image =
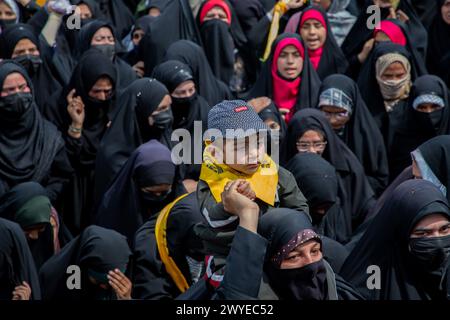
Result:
pixel 310 131
pixel 288 94
pixel 28 205
pixel 408 241
pixel 100 35
pixel 20 43
pixel 145 184
pixel 342 104
pixel 428 113
pixel 17 269
pixel 103 258
pixel 188 108
pixel 389 30
pixel 385 81
pixel 82 115
pixel 286 260
pixel 137 33
pixel 191 54
pixel 324 53
pixel 31 148
pixel 224 43
pixel 145 101
pixel 360 34
pixel 187 104
pixel 318 181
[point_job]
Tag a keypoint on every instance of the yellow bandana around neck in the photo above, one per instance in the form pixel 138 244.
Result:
pixel 264 181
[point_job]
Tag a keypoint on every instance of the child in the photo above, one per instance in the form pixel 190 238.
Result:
pixel 260 179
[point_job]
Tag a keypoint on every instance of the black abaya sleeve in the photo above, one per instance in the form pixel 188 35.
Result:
pixel 60 174
pixel 354 66
pixel 244 267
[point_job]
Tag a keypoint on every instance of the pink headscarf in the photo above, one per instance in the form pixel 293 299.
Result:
pixel 314 55
pixel 393 31
pixel 285 92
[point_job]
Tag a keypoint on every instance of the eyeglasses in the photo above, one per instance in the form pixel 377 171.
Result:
pixel 306 146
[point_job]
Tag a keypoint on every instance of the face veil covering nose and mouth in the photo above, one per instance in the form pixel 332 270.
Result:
pixel 393 90
pixel 12 107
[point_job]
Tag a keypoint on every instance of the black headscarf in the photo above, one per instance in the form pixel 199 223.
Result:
pixel 309 85
pixel 95 249
pixel 125 73
pixel 39 68
pixel 438 44
pixel 118 14
pixel 28 143
pixel 123 207
pixel 91 67
pixel 436 153
pixel 355 191
pixel 317 180
pixel 220 40
pixel 271 113
pixel 185 110
pixel 128 130
pixel 16 262
pixel 359 34
pixel 208 86
pixel 12 207
pixel 249 13
pixel 143 23
pixel 151 278
pixel 387 245
pixel 144 6
pixel 332 59
pixel 176 22
pixel 361 133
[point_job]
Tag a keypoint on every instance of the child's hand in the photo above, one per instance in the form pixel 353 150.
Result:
pixel 245 189
pixel 239 205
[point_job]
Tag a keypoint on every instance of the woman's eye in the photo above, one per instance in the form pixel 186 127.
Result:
pixel 293 257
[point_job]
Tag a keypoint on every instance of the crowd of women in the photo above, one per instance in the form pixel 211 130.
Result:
pixel 91 92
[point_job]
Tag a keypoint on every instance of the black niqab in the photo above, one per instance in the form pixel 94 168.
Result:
pixel 386 244
pixel 29 145
pixel 123 207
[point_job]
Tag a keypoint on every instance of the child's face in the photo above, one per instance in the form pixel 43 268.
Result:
pixel 244 155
